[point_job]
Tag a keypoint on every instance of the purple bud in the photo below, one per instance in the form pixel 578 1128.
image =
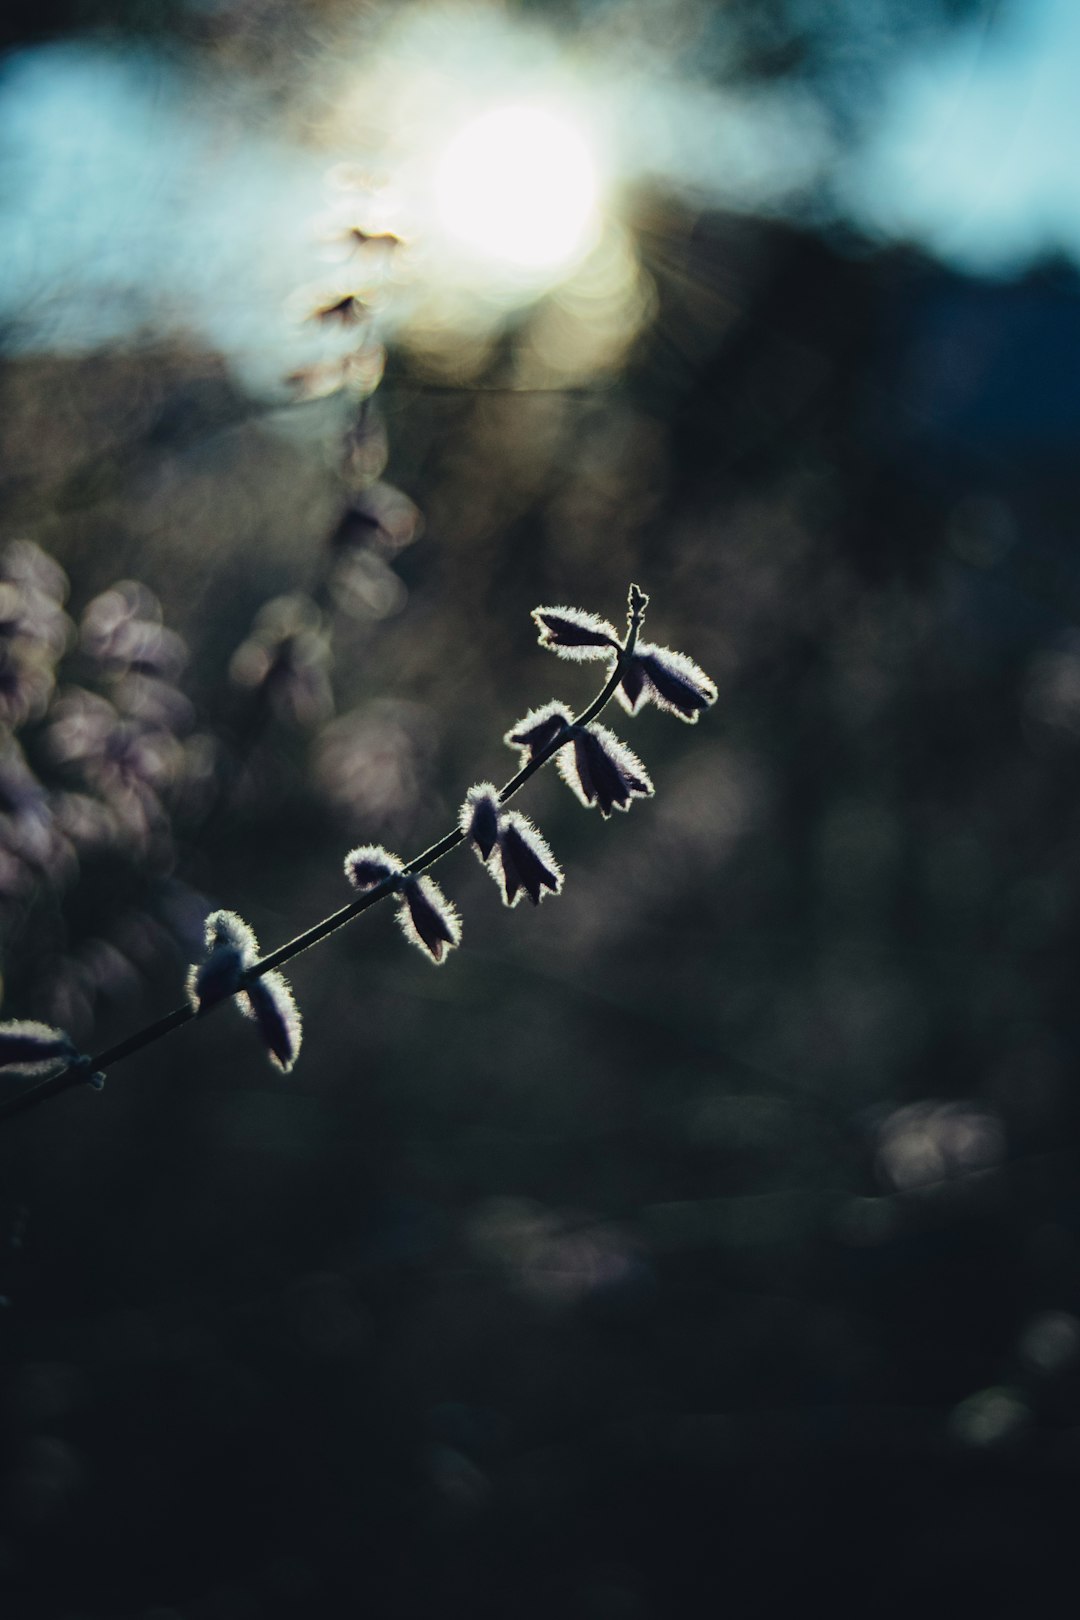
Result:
pixel 219 976
pixel 528 865
pixel 573 633
pixel 539 728
pixel 601 770
pixel 479 818
pixel 226 929
pixel 270 1003
pixel 427 917
pixel 25 1042
pixel 370 864
pixel 669 679
pixel 231 948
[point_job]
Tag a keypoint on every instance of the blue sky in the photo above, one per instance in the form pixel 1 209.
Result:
pixel 977 150
pixel 132 196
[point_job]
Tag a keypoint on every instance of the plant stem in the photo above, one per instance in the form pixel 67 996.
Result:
pixel 75 1074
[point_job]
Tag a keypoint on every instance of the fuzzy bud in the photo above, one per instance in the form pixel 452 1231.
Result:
pixel 538 730
pixel 24 1043
pixel 269 1001
pixel 479 818
pixel 345 310
pixel 427 918
pixel 601 770
pixel 231 948
pixel 219 976
pixel 524 864
pixel 528 866
pixel 369 865
pixel 669 679
pixel 225 928
pixel 573 633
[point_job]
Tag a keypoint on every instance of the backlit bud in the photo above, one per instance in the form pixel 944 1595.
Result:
pixel 479 818
pixel 231 947
pixel 669 679
pixel 528 866
pixel 269 1001
pixel 538 729
pixel 370 864
pixel 601 770
pixel 427 918
pixel 25 1043
pixel 573 633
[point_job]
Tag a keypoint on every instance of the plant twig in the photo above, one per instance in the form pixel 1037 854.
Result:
pixel 75 1074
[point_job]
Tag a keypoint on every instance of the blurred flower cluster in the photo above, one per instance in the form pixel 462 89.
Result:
pixel 111 788
pixel 100 762
pixel 107 779
pixel 368 763
pixel 368 760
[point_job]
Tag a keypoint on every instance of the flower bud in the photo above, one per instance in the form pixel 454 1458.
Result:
pixel 538 730
pixel 528 866
pixel 601 770
pixel 25 1043
pixel 669 679
pixel 525 864
pixel 479 818
pixel 369 865
pixel 269 1001
pixel 219 976
pixel 573 633
pixel 427 918
pixel 226 928
pixel 231 949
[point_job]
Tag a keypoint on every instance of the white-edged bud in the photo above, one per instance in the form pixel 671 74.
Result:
pixel 573 633
pixel 368 865
pixel 528 866
pixel 269 1001
pixel 602 770
pixel 225 928
pixel 24 1043
pixel 427 918
pixel 669 679
pixel 479 818
pixel 231 948
pixel 539 728
pixel 219 976
pixel 524 864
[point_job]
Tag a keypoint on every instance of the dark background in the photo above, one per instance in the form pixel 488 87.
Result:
pixel 705 1241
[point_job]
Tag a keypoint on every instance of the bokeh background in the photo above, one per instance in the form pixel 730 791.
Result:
pixel 707 1240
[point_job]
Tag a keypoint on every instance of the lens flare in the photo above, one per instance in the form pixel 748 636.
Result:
pixel 518 185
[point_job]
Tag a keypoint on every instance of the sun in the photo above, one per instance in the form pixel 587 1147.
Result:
pixel 519 185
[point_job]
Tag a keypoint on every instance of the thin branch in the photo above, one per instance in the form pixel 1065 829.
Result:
pixel 75 1074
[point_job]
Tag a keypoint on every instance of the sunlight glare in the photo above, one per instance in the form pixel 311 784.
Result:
pixel 518 185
